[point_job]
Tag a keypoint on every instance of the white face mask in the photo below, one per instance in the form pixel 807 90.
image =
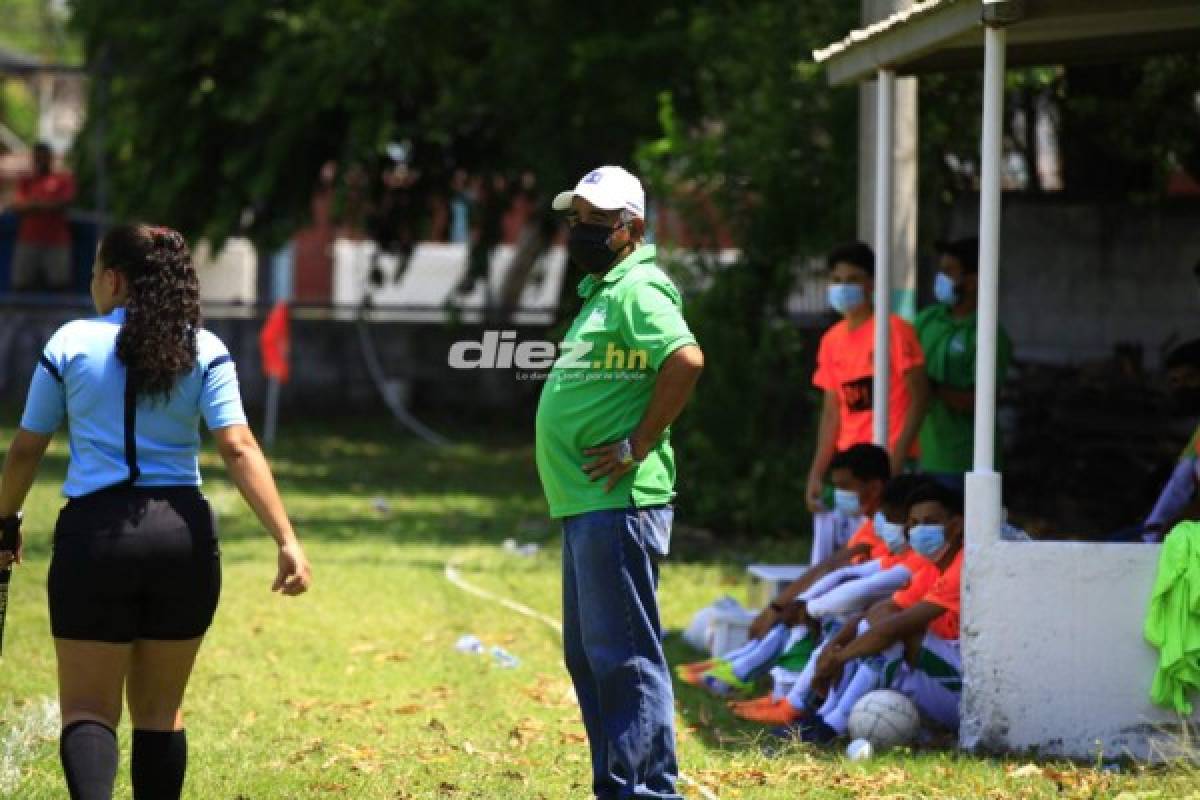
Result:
pixel 845 297
pixel 928 540
pixel 892 534
pixel 944 290
pixel 847 502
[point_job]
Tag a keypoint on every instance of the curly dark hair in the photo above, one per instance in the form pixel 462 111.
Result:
pixel 157 342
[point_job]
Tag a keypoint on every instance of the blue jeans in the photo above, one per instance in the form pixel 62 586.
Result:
pixel 612 639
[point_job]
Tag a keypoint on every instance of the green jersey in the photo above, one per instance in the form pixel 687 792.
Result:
pixel 947 435
pixel 601 384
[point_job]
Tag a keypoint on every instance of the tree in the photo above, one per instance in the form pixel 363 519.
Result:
pixel 35 28
pixel 38 28
pixel 219 121
pixel 220 117
pixel 758 131
pixel 1121 129
pixel 1125 126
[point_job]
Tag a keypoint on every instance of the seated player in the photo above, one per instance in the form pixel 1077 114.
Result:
pixel 852 588
pixel 858 475
pixel 844 591
pixel 910 642
pixel 1177 500
pixel 832 530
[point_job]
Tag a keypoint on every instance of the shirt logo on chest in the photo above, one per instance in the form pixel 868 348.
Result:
pixel 596 319
pixel 859 394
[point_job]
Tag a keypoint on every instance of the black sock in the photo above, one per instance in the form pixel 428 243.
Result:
pixel 159 762
pixel 88 750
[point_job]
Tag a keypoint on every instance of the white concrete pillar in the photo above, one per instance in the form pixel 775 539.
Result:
pixel 904 176
pixel 983 717
pixel 885 86
pixel 989 250
pixel 981 712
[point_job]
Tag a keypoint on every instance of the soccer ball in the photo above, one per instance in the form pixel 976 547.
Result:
pixel 884 718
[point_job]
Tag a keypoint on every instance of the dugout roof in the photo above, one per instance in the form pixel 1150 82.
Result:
pixel 1079 606
pixel 941 35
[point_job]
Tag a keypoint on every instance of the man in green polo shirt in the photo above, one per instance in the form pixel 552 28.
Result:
pixel 946 331
pixel 628 365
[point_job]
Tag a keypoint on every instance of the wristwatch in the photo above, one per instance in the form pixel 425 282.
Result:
pixel 625 452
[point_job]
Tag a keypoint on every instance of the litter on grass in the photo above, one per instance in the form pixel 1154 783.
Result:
pixel 504 659
pixel 472 645
pixel 469 644
pixel 527 550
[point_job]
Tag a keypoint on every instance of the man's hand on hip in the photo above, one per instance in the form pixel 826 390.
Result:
pixel 613 461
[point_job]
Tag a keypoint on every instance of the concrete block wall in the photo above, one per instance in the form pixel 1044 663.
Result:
pixel 23 336
pixel 1075 280
pixel 329 372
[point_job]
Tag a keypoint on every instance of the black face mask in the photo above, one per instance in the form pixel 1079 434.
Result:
pixel 587 245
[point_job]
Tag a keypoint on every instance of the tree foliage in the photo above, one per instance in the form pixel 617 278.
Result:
pixel 218 119
pixel 36 28
pixel 761 134
pixel 1120 130
pixel 219 116
pixel 1124 127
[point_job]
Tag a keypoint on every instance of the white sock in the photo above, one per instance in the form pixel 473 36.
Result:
pixel 865 680
pixel 769 648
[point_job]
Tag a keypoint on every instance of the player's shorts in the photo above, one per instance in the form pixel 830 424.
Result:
pixel 140 563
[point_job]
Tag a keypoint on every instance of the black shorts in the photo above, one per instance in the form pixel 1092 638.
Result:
pixel 138 563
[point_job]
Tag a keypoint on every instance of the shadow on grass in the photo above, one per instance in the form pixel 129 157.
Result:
pixel 368 481
pixel 358 480
pixel 707 718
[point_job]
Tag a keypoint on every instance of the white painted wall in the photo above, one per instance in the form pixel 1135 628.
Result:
pixel 429 283
pixel 229 277
pixel 434 273
pixel 62 103
pixel 1053 650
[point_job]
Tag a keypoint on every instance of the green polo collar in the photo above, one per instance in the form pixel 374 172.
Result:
pixel 644 254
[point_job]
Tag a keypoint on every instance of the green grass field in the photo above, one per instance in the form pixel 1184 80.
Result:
pixel 355 690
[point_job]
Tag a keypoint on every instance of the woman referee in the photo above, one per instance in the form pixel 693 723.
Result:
pixel 135 575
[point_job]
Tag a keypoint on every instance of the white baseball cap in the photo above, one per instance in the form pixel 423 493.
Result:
pixel 609 189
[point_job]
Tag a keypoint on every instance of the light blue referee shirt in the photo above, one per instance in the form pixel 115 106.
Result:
pixel 79 379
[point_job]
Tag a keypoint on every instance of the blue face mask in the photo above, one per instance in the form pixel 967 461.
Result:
pixel 927 539
pixel 843 297
pixel 944 290
pixel 846 502
pixel 891 533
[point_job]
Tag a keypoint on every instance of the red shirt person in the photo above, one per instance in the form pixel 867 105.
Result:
pixel 42 257
pixel 845 371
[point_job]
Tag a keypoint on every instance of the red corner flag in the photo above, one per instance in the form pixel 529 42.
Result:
pixel 274 342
